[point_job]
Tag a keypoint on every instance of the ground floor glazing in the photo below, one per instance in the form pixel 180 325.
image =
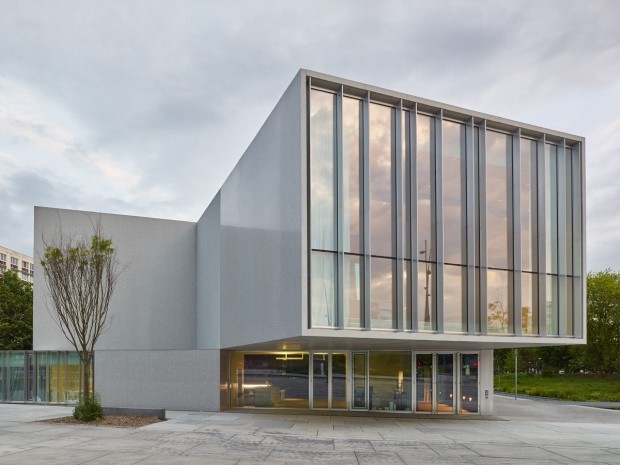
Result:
pixel 402 381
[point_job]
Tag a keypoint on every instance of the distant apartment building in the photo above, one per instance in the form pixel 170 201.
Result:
pixel 21 264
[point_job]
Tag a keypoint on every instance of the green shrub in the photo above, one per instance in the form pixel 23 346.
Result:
pixel 88 411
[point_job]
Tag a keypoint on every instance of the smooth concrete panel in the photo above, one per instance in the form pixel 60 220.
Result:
pixel 169 379
pixel 208 277
pixel 486 382
pixel 260 205
pixel 154 304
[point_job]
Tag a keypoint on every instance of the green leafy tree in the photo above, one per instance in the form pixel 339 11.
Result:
pixel 603 304
pixel 81 274
pixel 15 313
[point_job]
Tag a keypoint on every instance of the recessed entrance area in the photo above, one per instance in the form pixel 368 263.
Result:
pixel 398 381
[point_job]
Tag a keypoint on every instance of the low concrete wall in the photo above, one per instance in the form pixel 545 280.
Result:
pixel 159 379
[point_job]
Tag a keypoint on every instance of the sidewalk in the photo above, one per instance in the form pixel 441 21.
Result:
pixel 532 432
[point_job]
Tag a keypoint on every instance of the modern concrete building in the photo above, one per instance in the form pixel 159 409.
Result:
pixel 368 252
pixel 17 262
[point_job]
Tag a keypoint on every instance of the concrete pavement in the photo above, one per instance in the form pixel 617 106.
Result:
pixel 522 432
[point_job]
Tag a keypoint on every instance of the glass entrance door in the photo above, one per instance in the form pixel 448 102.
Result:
pixel 424 383
pixel 445 383
pixel 329 380
pixel 468 384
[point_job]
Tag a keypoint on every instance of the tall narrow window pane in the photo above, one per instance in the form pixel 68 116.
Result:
pixel 568 160
pixel 498 204
pixel 529 212
pixel 577 240
pixel 454 298
pixel 529 303
pixel 570 329
pixel 499 302
pixel 381 180
pixel 381 292
pixel 323 288
pixel 405 184
pixel 477 204
pixel 322 171
pixel 551 208
pixel 351 176
pixel 425 173
pixel 426 300
pixel 407 321
pixel 352 291
pixel 454 216
pixel 552 305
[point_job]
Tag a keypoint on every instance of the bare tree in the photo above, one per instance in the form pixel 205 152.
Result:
pixel 81 274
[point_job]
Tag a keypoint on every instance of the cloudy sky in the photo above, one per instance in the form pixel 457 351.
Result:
pixel 144 108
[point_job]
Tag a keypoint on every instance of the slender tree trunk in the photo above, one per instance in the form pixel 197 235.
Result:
pixel 85 379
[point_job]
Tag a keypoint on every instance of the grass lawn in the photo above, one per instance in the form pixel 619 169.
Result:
pixel 569 387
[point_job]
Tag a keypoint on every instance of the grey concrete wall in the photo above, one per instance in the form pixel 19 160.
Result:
pixel 170 379
pixel 208 277
pixel 261 220
pixel 154 305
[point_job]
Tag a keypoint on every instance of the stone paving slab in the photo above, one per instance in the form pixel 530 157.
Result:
pixel 530 432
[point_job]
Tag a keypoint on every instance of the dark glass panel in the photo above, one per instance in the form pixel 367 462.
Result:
pixel 390 380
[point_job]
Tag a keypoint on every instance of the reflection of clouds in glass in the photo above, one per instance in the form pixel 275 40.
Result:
pixel 424 161
pixel 381 292
pixel 425 296
pixel 498 185
pixel 453 298
pixel 323 289
pixel 351 163
pixel 528 205
pixel 322 172
pixel 453 166
pixel 380 178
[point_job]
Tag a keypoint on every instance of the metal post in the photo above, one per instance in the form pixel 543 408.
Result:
pixel 516 373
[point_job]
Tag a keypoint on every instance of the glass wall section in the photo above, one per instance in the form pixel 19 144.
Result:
pixel 407 318
pixel 570 329
pixel 274 380
pixel 469 383
pixel 499 302
pixel 552 305
pixel 425 173
pixel 381 293
pixel 551 208
pixel 529 211
pixel 455 298
pixel 39 376
pixel 577 217
pixel 352 291
pixel 320 382
pixel 529 303
pixel 340 385
pixel 322 171
pixel 360 381
pixel 498 200
pixel 381 179
pixel 405 184
pixel 454 212
pixel 445 383
pixel 323 288
pixel 424 382
pixel 390 380
pixel 351 176
pixel 426 299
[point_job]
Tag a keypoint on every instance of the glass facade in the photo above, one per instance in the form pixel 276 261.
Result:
pixel 51 377
pixel 445 382
pixel 401 193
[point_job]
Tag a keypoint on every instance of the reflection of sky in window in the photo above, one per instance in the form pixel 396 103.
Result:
pixel 424 161
pixel 498 185
pixel 351 175
pixel 528 207
pixel 453 166
pixel 380 139
pixel 453 298
pixel 498 307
